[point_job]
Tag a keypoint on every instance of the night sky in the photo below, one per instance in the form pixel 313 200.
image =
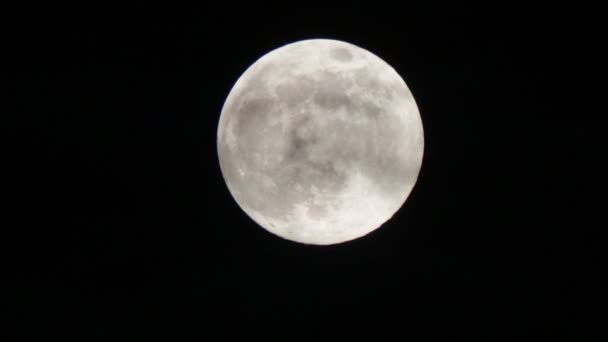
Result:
pixel 120 223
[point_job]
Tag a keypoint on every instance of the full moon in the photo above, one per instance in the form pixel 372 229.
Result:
pixel 320 142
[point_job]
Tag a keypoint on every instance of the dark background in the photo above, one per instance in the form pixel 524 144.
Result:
pixel 120 224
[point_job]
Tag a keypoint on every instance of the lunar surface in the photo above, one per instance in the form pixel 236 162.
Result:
pixel 320 142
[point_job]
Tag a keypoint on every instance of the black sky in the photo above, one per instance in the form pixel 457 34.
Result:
pixel 120 224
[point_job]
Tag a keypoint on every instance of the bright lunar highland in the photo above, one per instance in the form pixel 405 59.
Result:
pixel 320 141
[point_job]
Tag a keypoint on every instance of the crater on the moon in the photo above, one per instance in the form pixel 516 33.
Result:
pixel 341 54
pixel 319 146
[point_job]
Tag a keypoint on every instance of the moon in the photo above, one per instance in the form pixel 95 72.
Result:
pixel 320 142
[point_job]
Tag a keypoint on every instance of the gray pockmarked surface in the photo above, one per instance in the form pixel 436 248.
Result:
pixel 320 141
